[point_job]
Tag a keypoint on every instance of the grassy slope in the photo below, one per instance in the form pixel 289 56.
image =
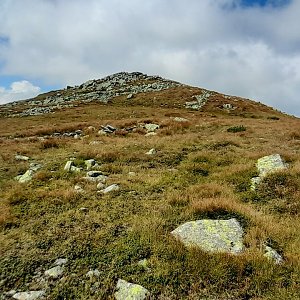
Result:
pixel 41 220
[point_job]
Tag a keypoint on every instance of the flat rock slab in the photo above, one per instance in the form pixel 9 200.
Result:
pixel 130 291
pixel 224 236
pixel 269 164
pixel 33 295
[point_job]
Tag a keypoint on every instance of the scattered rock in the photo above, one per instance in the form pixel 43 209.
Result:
pixel 178 119
pixel 108 129
pixel 94 173
pixel 60 261
pixel 201 100
pixel 78 189
pixel 22 157
pixel 75 169
pixel 130 96
pixel 130 291
pixel 144 263
pixel 68 166
pixel 273 255
pixel 228 106
pixel 100 178
pixel 90 163
pixel 151 127
pixel 32 295
pixel 151 152
pixel 55 272
pixel 26 177
pixel 151 134
pixel 212 235
pixel 267 165
pixel 83 209
pixel 111 188
pixel 93 273
pixel 100 186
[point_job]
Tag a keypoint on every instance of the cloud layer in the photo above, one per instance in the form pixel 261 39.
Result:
pixel 18 90
pixel 217 44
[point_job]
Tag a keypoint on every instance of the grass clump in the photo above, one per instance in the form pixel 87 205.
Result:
pixel 239 128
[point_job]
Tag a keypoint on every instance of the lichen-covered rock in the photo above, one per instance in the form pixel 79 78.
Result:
pixel 212 235
pixel 265 166
pixel 130 291
pixel 55 272
pixel 151 127
pixel 33 295
pixel 269 164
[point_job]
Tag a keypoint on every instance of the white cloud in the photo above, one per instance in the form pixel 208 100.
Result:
pixel 251 52
pixel 18 90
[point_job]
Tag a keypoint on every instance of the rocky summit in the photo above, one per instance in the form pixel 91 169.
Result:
pixel 138 187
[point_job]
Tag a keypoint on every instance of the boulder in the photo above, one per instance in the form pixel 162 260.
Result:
pixel 130 291
pixel 224 236
pixel 32 295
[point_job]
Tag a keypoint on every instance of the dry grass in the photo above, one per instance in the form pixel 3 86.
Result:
pixel 200 171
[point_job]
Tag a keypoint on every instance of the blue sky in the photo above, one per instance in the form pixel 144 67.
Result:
pixel 239 47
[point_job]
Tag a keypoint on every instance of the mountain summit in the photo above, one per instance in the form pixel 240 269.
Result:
pixel 133 89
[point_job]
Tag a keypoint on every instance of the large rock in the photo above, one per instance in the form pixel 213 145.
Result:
pixel 33 295
pixel 130 291
pixel 269 164
pixel 27 176
pixel 212 235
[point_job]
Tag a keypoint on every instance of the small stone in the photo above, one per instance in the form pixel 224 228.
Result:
pixel 151 134
pixel 32 295
pixel 151 127
pixel 100 178
pixel 94 174
pixel 90 163
pixel 130 291
pixel 100 186
pixel 144 263
pixel 91 128
pixel 60 261
pixel 68 166
pixel 35 166
pixel 78 189
pixel 27 176
pixel 111 188
pixel 130 96
pixel 75 169
pixel 151 152
pixel 10 293
pixel 55 272
pixel 76 136
pixel 22 157
pixel 93 273
pixel 102 132
pixel 178 119
pixel 83 209
pixel 273 255
pixel 131 173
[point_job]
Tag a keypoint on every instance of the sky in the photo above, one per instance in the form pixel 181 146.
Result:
pixel 248 48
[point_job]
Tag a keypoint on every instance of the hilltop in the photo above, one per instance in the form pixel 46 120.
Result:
pixel 136 184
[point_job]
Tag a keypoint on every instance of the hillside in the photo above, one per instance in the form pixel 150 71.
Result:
pixel 183 192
